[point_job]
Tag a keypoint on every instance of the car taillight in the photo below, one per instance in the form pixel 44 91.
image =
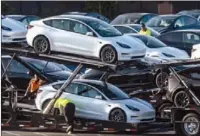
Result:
pixel 39 91
pixel 29 26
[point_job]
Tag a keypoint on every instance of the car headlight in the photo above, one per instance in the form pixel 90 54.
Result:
pixel 168 55
pixel 123 45
pixel 6 28
pixel 132 108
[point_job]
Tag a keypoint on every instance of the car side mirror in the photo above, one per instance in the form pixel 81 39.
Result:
pixel 98 97
pixel 89 34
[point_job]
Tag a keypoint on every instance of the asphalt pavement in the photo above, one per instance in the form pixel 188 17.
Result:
pixel 29 133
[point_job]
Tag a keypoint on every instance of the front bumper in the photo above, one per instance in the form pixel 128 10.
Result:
pixel 125 55
pixel 13 37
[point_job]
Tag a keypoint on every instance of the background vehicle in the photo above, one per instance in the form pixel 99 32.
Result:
pixel 177 93
pixel 182 39
pixel 12 31
pixel 19 74
pixel 132 18
pixel 195 13
pixel 166 23
pixel 90 14
pixel 195 51
pixel 85 36
pixel 26 19
pixel 99 100
pixel 134 28
pixel 157 51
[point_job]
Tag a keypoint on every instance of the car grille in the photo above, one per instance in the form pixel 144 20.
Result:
pixel 135 57
pixel 151 119
pixel 148 114
pixel 19 39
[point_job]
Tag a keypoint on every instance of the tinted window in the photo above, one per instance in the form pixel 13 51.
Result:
pixel 79 27
pixel 191 38
pixel 44 66
pixel 114 93
pixel 172 37
pixel 58 23
pixel 125 30
pixel 15 66
pixel 102 28
pixel 25 21
pixel 88 91
pixel 72 88
pixel 184 21
pixel 160 21
pixel 48 22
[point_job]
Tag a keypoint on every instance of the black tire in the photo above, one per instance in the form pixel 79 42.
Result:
pixel 162 113
pixel 108 54
pixel 181 99
pixel 186 128
pixel 117 115
pixel 41 45
pixel 161 79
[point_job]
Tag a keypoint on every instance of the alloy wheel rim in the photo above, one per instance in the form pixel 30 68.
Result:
pixel 109 55
pixel 162 80
pixel 41 45
pixel 182 99
pixel 117 116
pixel 191 126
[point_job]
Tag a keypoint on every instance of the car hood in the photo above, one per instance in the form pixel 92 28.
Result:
pixel 128 40
pixel 179 54
pixel 14 25
pixel 137 103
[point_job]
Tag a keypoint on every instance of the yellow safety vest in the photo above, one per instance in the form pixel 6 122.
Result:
pixel 147 32
pixel 61 103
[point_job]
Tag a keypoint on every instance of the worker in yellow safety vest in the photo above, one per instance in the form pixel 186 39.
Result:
pixel 67 109
pixel 144 30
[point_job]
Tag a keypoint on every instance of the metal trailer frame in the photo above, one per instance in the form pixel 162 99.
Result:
pixel 38 117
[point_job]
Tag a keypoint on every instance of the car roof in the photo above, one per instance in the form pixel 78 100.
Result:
pixel 74 13
pixel 139 14
pixel 188 30
pixel 76 17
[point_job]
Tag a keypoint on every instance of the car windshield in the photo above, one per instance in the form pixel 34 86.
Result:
pixel 160 21
pixel 103 29
pixel 114 93
pixel 151 42
pixel 44 66
pixel 138 28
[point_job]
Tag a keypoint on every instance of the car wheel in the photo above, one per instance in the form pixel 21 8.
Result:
pixel 162 79
pixel 191 125
pixel 108 54
pixel 162 113
pixel 41 45
pixel 117 115
pixel 181 99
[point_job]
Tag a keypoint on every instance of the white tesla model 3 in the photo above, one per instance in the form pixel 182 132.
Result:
pixel 12 31
pixel 84 36
pixel 99 100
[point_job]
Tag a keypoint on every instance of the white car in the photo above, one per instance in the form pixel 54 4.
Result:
pixel 12 31
pixel 84 36
pixel 98 100
pixel 158 52
pixel 195 51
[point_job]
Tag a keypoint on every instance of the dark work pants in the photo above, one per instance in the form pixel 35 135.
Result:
pixel 69 112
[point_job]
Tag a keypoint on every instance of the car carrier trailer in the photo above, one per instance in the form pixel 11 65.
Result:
pixel 45 119
pixel 39 119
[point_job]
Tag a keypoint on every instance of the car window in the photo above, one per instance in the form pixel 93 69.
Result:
pixel 191 38
pixel 179 22
pixel 25 21
pixel 88 91
pixel 15 66
pixel 125 30
pixel 145 19
pixel 184 21
pixel 172 37
pixel 78 27
pixel 57 23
